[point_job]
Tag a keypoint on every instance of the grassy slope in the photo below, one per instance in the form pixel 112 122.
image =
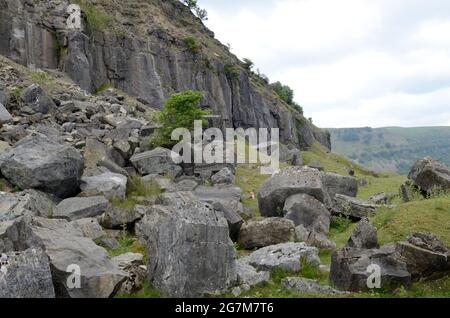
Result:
pixel 392 148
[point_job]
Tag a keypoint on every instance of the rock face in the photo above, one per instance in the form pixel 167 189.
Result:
pixel 364 235
pixel 148 65
pixel 192 253
pixel 25 275
pixel 275 190
pixel 351 269
pixel 111 185
pixel 261 232
pixel 425 255
pixel 305 210
pixel 352 207
pixel 285 256
pixel 35 98
pixel 79 208
pixel 429 174
pixel 157 161
pixel 65 246
pixel 43 164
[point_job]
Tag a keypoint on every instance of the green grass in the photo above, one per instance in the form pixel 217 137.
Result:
pixel 136 188
pixel 128 244
pixel 97 19
pixel 192 44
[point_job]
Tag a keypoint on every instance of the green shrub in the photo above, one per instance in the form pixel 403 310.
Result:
pixel 231 71
pixel 179 111
pixel 97 19
pixel 340 223
pixel 248 64
pixel 192 44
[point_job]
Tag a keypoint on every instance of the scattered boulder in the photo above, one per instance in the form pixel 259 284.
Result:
pixel 262 232
pixel 65 246
pixel 164 184
pixel 157 161
pixel 275 190
pixel 308 286
pixel 228 196
pixel 35 98
pixel 425 255
pixel 90 228
pixel 117 217
pixel 312 238
pixel 405 192
pixel 25 274
pixel 286 256
pixel 224 176
pixel 248 275
pixel 5 116
pixel 133 265
pixel 29 202
pixel 43 164
pixel 192 253
pixel 111 185
pixel 382 198
pixel 305 210
pixel 364 236
pixel 352 207
pixel 429 174
pixel 336 184
pixel 79 208
pixel 351 269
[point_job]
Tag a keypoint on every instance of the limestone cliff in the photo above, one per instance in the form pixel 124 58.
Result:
pixel 149 49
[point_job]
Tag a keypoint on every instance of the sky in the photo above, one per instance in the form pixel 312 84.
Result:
pixel 351 63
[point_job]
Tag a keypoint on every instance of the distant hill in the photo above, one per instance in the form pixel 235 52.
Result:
pixel 392 148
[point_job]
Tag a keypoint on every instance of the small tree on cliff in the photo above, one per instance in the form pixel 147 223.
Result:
pixel 179 111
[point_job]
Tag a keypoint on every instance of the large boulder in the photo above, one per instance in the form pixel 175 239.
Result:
pixel 191 252
pixel 429 174
pixel 109 184
pixel 275 190
pixel 233 218
pixel 29 202
pixel 337 184
pixel 351 269
pixel 43 164
pixel 157 161
pixel 25 274
pixel 35 98
pixel 90 228
pixel 364 235
pixel 5 116
pixel 289 257
pixel 315 239
pixel 226 196
pixel 305 210
pixel 79 208
pixel 67 250
pixel 352 207
pixel 261 232
pixel 425 255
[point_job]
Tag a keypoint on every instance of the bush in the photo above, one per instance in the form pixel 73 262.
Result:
pixel 179 111
pixel 96 19
pixel 192 44
pixel 284 91
pixel 248 64
pixel 231 71
pixel 340 223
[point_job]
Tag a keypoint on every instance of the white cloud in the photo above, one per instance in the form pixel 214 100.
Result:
pixel 350 62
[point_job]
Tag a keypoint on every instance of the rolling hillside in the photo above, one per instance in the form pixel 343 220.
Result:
pixel 391 149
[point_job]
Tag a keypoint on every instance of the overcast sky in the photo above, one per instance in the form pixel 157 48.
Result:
pixel 352 63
